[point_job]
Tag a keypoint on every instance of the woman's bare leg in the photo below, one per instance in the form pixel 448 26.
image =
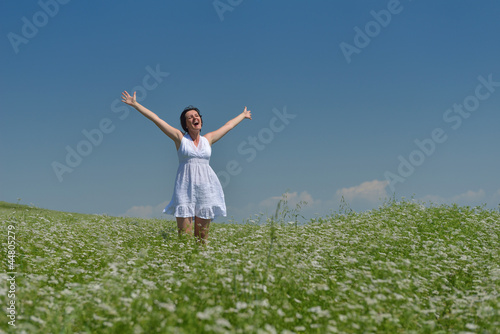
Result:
pixel 201 227
pixel 185 225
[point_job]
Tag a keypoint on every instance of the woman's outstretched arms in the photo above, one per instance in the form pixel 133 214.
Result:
pixel 175 134
pixel 214 136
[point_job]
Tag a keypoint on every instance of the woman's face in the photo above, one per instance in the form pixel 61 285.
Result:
pixel 193 120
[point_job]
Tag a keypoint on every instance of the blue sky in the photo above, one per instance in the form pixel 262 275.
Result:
pixel 341 92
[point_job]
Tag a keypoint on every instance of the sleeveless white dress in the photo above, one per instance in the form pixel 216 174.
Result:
pixel 197 190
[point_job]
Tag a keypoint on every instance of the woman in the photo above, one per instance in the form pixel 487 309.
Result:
pixel 197 193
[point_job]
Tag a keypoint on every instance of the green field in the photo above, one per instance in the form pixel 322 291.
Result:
pixel 402 268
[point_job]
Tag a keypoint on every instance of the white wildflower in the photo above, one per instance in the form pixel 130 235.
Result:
pixel 168 306
pixel 223 322
pixel 371 301
pixel 203 315
pixel 286 331
pixel 150 284
pixel 36 319
pixel 270 329
pixel 241 305
pixel 138 329
pixel 471 326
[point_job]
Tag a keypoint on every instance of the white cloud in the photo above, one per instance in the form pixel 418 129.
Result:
pixel 362 197
pixel 140 211
pixel 292 198
pixel 467 198
pixel 433 199
pixel 496 196
pixel 268 206
pixel 371 191
pixel 146 211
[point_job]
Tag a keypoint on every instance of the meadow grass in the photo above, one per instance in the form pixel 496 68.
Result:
pixel 402 268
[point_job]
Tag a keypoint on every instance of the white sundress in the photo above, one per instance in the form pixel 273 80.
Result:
pixel 197 190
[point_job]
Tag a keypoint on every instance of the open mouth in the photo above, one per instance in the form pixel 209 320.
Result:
pixel 195 123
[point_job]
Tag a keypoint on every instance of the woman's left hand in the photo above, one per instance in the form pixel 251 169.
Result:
pixel 247 113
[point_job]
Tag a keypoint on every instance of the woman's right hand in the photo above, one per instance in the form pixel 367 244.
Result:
pixel 128 99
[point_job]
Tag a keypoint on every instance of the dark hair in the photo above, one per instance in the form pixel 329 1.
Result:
pixel 183 116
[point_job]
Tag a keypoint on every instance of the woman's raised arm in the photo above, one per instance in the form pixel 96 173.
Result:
pixel 218 134
pixel 175 134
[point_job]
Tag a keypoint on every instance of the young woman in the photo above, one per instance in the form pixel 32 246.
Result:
pixel 197 193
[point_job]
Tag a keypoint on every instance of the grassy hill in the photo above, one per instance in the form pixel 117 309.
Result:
pixel 401 268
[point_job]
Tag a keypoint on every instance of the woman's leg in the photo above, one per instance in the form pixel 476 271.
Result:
pixel 185 225
pixel 201 227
